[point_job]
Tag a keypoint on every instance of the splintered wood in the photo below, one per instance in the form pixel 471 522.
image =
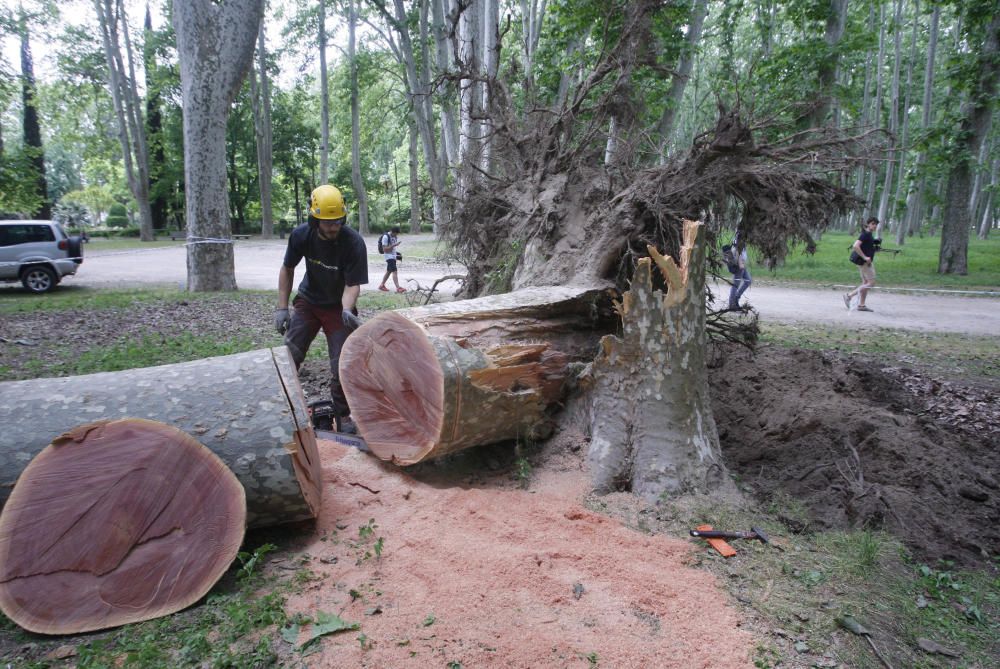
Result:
pixel 116 522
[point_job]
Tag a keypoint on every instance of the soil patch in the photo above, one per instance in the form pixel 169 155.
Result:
pixel 861 443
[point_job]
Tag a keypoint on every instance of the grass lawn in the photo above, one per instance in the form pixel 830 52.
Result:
pixel 915 266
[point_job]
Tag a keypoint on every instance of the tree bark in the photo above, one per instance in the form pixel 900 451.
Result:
pixel 247 408
pixel 140 521
pixel 652 427
pixel 478 371
pixel 215 43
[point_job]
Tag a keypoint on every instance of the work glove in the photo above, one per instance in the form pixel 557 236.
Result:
pixel 351 322
pixel 281 320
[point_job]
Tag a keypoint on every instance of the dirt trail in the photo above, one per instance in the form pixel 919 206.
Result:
pixel 504 578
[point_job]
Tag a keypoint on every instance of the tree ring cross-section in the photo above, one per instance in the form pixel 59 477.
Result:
pixel 117 522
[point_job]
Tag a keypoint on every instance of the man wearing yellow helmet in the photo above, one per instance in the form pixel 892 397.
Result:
pixel 336 267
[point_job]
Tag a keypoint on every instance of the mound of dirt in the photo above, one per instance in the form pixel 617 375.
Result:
pixel 863 444
pixel 501 577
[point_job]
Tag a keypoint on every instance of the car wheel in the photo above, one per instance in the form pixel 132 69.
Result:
pixel 39 279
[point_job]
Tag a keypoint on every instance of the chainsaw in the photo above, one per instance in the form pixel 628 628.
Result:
pixel 324 422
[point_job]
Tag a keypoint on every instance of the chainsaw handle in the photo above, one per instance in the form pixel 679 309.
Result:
pixel 717 534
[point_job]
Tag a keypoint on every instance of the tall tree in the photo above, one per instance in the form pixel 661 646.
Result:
pixel 128 109
pixel 982 23
pixel 836 19
pixel 884 211
pixel 324 99
pixel 915 200
pixel 419 90
pixel 682 74
pixel 359 183
pixel 261 100
pixel 33 149
pixel 154 128
pixel 215 43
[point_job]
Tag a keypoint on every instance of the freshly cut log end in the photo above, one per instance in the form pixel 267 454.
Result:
pixel 416 397
pixel 395 386
pixel 117 522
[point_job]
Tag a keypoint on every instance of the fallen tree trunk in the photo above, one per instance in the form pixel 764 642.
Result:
pixel 432 380
pixel 116 522
pixel 247 408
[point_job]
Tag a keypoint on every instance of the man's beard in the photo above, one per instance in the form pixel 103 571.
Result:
pixel 325 237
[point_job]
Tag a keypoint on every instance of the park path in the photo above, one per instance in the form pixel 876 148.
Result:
pixel 257 263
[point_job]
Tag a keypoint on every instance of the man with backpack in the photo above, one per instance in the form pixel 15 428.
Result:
pixel 735 257
pixel 865 247
pixel 387 245
pixel 336 267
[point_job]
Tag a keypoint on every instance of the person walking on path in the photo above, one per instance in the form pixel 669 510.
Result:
pixel 865 246
pixel 388 243
pixel 336 267
pixel 741 274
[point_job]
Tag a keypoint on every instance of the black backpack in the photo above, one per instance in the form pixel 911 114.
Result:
pixel 380 247
pixel 730 256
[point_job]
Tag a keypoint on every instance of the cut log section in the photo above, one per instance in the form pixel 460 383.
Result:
pixel 427 381
pixel 247 408
pixel 116 522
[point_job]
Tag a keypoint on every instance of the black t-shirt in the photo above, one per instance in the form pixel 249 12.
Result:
pixel 330 264
pixel 867 244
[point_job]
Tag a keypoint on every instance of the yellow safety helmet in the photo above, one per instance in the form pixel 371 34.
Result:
pixel 326 203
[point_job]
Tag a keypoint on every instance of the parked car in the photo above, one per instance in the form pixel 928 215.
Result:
pixel 37 253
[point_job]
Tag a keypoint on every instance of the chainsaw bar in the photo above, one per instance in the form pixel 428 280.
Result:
pixel 352 440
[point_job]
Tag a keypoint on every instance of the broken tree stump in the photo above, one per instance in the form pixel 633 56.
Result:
pixel 247 408
pixel 432 380
pixel 652 427
pixel 116 522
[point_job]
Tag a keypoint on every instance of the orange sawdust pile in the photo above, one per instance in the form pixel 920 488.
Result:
pixel 501 578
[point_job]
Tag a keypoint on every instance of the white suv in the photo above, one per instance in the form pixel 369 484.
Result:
pixel 37 253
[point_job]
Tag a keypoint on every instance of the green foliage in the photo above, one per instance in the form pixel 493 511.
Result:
pixel 367 530
pixel 249 561
pixel 18 186
pixel 117 216
pixel 72 216
pixel 915 267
